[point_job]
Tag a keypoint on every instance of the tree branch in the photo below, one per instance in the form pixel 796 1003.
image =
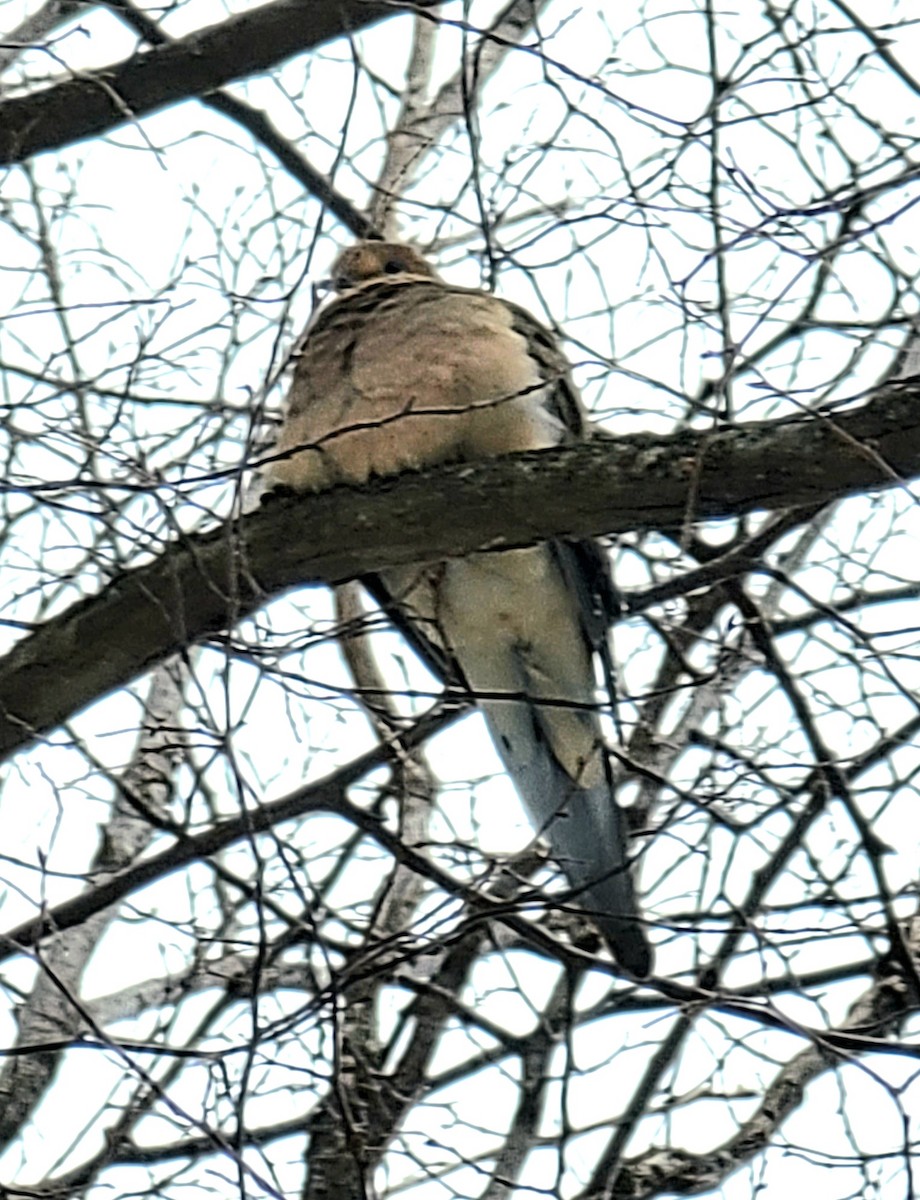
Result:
pixel 206 583
pixel 92 103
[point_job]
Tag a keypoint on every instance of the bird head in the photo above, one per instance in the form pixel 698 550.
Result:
pixel 366 262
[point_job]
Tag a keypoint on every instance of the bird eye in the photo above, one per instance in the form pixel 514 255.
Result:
pixel 341 282
pixel 393 266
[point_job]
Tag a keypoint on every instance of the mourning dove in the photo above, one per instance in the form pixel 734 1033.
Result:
pixel 404 371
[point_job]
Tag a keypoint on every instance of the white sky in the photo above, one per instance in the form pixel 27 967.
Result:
pixel 190 226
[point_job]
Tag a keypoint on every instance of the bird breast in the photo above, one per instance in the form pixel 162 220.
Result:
pixel 406 375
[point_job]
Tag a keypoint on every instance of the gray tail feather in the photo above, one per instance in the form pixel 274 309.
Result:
pixel 588 839
pixel 584 827
pixel 624 935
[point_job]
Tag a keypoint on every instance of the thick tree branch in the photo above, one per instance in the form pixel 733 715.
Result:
pixel 205 583
pixel 92 103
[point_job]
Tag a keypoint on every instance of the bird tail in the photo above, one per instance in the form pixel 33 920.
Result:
pixel 584 827
pixel 588 838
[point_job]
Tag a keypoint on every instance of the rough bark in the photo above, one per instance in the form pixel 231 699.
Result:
pixel 205 583
pixel 92 103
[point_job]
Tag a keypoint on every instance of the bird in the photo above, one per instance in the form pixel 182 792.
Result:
pixel 402 371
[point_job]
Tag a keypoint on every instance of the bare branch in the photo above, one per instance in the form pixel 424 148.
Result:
pixel 204 583
pixel 92 103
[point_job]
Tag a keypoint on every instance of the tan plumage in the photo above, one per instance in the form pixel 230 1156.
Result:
pixel 402 371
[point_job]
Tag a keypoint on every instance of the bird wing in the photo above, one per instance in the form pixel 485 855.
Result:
pixel 404 371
